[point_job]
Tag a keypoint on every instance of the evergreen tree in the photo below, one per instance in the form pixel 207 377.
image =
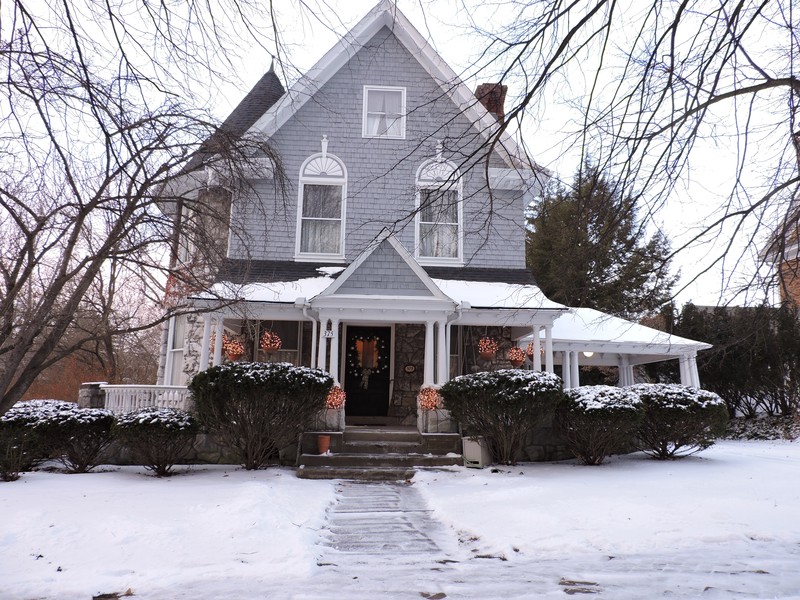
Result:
pixel 586 248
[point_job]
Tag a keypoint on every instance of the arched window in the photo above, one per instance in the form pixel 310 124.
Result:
pixel 321 207
pixel 439 212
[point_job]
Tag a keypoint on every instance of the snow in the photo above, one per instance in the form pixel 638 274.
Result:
pixel 724 523
pixel 490 294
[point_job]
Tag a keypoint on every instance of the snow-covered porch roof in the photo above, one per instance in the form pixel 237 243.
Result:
pixel 605 339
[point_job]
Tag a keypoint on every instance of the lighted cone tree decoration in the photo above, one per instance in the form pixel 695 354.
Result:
pixel 516 356
pixel 335 398
pixel 429 399
pixel 232 348
pixel 270 342
pixel 487 348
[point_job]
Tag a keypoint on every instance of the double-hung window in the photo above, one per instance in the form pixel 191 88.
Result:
pixel 384 112
pixel 439 213
pixel 321 210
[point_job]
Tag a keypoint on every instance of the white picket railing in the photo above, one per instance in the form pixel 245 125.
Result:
pixel 125 398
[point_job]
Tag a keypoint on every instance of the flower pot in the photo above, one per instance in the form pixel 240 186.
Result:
pixel 487 355
pixel 234 356
pixel 323 443
pixel 516 362
pixel 270 349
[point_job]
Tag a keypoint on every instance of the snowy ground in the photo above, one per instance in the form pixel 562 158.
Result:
pixel 722 524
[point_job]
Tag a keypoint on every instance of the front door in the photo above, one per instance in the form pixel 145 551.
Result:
pixel 367 370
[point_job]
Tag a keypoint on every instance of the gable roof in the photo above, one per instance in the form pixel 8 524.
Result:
pixel 258 100
pixel 384 239
pixel 386 14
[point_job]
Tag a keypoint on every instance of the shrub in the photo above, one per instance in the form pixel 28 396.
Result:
pixel 157 437
pixel 259 408
pixel 77 435
pixel 24 442
pixel 678 420
pixel 502 406
pixel 598 420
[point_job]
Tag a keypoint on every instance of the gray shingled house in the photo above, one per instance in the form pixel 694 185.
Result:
pixel 394 243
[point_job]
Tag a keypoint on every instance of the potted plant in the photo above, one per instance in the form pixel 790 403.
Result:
pixel 270 342
pixel 516 356
pixel 233 348
pixel 487 348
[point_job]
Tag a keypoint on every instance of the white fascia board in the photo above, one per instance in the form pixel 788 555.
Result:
pixel 511 317
pixel 641 348
pixel 386 13
pixel 382 306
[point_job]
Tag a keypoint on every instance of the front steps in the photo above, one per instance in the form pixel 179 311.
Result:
pixel 378 453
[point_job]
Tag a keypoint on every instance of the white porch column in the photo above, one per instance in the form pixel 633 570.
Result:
pixel 206 342
pixel 322 361
pixel 548 348
pixel 566 370
pixel 623 371
pixel 574 376
pixel 218 329
pixel 537 349
pixel 442 354
pixel 684 364
pixel 334 370
pixel 427 378
pixel 694 374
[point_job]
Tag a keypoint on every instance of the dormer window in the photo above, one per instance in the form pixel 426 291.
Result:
pixel 384 112
pixel 439 213
pixel 321 207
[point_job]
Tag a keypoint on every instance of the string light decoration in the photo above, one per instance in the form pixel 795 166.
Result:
pixel 232 347
pixel 270 341
pixel 429 399
pixel 487 348
pixel 516 356
pixel 335 398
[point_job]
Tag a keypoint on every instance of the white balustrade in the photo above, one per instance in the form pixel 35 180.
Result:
pixel 125 398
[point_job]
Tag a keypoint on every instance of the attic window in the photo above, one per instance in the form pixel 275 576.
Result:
pixel 384 112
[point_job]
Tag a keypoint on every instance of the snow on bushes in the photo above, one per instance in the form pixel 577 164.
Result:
pixel 157 437
pixel 259 408
pixel 502 406
pixel 598 420
pixel 38 429
pixel 678 420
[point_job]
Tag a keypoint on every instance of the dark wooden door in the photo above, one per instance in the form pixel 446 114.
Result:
pixel 367 370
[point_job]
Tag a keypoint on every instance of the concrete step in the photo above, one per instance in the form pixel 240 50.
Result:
pixel 378 434
pixel 383 447
pixel 387 460
pixel 357 473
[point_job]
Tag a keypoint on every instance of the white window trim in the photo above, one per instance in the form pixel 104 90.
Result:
pixel 174 353
pixel 446 183
pixel 384 88
pixel 320 180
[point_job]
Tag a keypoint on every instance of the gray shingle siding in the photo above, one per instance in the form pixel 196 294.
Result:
pixel 381 172
pixel 384 271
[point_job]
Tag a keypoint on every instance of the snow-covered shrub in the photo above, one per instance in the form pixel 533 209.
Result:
pixel 678 420
pixel 598 420
pixel 24 441
pixel 259 408
pixel 157 437
pixel 76 435
pixel 502 406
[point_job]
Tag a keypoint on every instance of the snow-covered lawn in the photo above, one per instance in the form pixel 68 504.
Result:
pixel 724 523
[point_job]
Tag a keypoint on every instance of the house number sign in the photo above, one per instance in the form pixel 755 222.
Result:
pixel 328 333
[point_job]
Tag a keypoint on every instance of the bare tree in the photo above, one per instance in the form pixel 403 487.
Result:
pixel 98 124
pixel 652 86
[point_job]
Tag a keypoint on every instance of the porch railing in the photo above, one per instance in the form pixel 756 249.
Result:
pixel 124 398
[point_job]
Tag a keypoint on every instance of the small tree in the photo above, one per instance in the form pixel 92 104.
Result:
pixel 78 435
pixel 157 437
pixel 502 406
pixel 259 408
pixel 586 248
pixel 678 420
pixel 598 420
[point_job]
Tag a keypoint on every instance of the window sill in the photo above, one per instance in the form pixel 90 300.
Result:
pixel 326 258
pixel 439 262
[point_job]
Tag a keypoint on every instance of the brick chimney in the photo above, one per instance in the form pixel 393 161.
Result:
pixel 493 98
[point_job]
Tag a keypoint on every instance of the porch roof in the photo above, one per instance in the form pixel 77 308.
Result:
pixel 285 282
pixel 609 337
